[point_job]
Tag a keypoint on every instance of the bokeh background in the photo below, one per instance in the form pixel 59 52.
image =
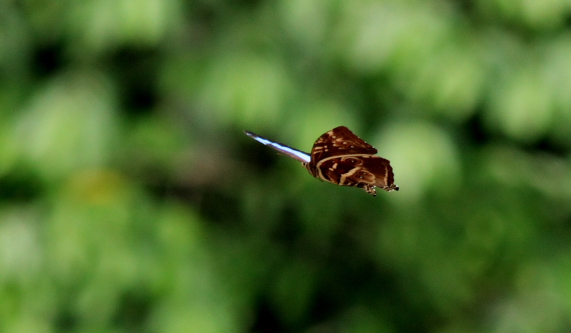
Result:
pixel 131 200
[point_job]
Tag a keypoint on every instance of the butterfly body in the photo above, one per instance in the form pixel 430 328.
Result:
pixel 340 157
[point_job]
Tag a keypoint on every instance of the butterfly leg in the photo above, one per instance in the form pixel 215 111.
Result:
pixel 370 189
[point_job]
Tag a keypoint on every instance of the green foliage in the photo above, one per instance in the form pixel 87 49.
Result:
pixel 131 201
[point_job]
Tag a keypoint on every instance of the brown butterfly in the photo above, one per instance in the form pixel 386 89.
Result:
pixel 340 157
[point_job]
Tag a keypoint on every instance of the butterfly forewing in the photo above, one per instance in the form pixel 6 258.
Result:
pixel 339 140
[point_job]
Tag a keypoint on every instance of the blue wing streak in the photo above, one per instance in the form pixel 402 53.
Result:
pixel 289 151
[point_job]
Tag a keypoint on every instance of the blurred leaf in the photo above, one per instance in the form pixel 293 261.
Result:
pixel 522 107
pixel 69 124
pixel 423 157
pixel 245 89
pixel 98 25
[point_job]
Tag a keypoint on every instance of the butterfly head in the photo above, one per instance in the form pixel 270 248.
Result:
pixel 391 187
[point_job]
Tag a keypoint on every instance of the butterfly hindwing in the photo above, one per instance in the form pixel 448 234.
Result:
pixel 365 171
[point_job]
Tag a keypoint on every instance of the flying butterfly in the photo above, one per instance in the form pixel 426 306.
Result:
pixel 340 157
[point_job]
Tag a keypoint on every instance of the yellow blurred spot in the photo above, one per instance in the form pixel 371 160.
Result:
pixel 96 186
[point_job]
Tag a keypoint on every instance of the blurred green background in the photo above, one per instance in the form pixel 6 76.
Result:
pixel 131 200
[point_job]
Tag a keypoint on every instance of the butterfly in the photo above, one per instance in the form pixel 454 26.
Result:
pixel 340 157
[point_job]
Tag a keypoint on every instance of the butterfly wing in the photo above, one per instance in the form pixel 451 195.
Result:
pixel 339 141
pixel 286 150
pixel 374 172
pixel 341 157
pixel 364 171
